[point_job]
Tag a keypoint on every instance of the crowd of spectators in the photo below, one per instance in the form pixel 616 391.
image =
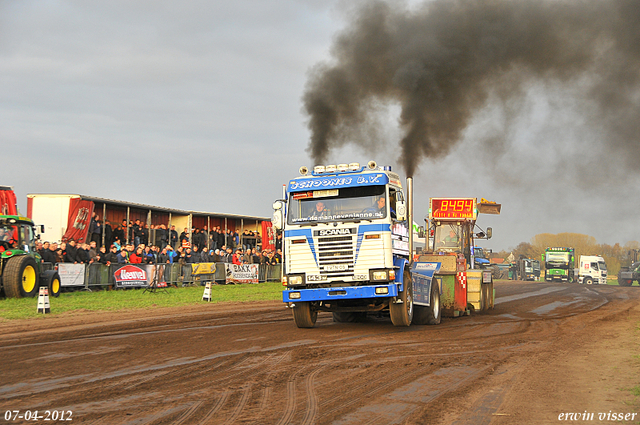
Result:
pixel 158 244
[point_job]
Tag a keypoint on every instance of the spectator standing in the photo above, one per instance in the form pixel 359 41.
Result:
pixel 108 233
pixel 136 257
pixel 173 237
pixel 112 255
pixel 70 253
pixel 162 235
pixel 123 257
pixel 144 234
pixel 82 253
pixel 118 234
pixel 255 258
pixel 184 238
pixel 95 230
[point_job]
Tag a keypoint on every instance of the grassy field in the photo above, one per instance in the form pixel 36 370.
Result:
pixel 24 308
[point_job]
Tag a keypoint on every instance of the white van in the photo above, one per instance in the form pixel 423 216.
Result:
pixel 593 270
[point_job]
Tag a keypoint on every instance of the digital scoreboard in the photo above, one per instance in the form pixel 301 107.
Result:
pixel 453 209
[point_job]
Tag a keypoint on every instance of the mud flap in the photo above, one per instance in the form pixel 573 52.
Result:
pixel 422 278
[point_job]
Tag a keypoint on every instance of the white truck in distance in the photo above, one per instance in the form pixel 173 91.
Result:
pixel 593 270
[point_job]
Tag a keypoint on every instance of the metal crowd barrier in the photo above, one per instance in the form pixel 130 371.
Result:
pixel 97 274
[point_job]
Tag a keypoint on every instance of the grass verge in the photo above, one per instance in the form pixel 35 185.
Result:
pixel 24 308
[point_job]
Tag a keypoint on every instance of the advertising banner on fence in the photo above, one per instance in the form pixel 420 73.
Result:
pixel 71 274
pixel 203 268
pixel 131 276
pixel 241 273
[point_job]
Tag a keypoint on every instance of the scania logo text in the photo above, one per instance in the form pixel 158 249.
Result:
pixel 333 232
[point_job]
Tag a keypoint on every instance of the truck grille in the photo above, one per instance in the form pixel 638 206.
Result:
pixel 335 256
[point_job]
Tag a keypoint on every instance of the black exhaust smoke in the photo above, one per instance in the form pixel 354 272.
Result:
pixel 441 62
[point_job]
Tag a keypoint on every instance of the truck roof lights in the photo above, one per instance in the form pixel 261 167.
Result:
pixel 319 169
pixel 354 166
pixel 343 167
pixel 331 168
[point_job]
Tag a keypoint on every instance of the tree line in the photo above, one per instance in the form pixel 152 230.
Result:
pixel 615 256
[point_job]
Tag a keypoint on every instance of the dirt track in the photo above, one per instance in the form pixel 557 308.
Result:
pixel 546 349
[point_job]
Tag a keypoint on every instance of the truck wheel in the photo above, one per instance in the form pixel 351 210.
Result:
pixel 304 314
pixel 51 279
pixel 20 278
pixel 348 316
pixel 402 313
pixel 587 281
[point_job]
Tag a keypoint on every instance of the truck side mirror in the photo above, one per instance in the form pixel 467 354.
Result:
pixel 278 215
pixel 489 232
pixel 401 211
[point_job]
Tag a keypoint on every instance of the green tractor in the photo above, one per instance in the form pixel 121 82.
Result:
pixel 20 264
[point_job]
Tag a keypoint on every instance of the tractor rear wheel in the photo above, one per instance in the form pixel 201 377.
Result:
pixel 20 278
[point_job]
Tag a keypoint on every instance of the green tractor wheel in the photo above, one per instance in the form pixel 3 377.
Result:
pixel 20 278
pixel 51 279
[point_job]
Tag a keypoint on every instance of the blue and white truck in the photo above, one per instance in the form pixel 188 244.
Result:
pixel 347 247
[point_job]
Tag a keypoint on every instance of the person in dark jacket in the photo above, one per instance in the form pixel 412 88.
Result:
pixel 193 255
pixel 49 254
pixel 82 254
pixel 70 253
pixel 112 256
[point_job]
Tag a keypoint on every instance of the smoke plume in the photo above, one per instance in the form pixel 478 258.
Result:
pixel 442 61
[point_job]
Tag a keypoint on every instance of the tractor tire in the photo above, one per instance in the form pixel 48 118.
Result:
pixel 304 314
pixel 434 312
pixel 624 282
pixel 402 313
pixel 348 316
pixel 51 279
pixel 20 279
pixel 431 315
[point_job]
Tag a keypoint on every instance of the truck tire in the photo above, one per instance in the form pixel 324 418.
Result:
pixel 587 281
pixel 304 315
pixel 51 279
pixel 348 316
pixel 20 278
pixel 402 313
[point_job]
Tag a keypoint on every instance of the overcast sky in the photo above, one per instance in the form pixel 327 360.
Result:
pixel 197 105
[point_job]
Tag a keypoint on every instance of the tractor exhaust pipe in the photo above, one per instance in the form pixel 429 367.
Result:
pixel 410 216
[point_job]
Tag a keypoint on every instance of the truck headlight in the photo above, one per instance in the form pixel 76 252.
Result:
pixel 295 280
pixel 379 275
pixel 294 295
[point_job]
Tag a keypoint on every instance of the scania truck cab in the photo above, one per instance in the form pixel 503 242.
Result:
pixel 347 249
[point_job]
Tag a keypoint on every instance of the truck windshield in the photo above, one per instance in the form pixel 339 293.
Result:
pixel 344 204
pixel 557 257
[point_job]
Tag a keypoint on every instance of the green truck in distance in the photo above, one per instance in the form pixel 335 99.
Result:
pixel 559 264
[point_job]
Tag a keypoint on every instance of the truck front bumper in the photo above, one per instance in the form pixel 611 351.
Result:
pixel 341 293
